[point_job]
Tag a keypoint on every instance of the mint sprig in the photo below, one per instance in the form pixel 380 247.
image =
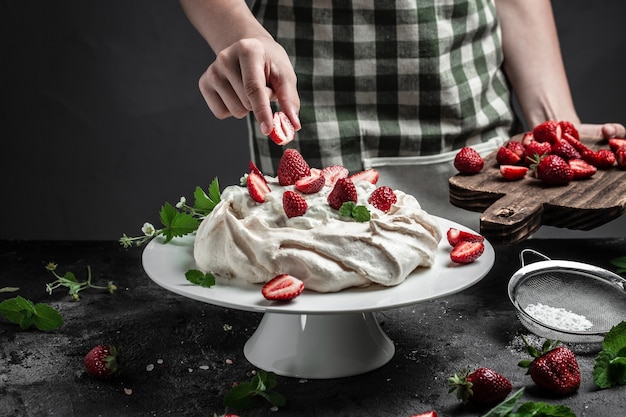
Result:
pixel 206 280
pixel 249 394
pixel 358 213
pixel 620 263
pixel 528 409
pixel 25 313
pixel 610 366
pixel 181 219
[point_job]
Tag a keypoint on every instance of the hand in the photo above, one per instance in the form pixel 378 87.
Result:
pixel 602 131
pixel 246 76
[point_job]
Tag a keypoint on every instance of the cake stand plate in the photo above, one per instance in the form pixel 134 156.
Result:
pixel 317 335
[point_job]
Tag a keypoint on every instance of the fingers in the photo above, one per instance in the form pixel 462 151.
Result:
pixel 602 131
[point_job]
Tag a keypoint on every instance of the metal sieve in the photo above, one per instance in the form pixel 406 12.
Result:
pixel 565 300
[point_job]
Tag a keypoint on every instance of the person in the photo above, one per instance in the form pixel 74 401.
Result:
pixel 399 86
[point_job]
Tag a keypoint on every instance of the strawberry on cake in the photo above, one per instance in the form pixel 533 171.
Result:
pixel 330 230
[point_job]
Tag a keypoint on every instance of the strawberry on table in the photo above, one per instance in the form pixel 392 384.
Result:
pixel 466 252
pixel 383 198
pixel 282 287
pixel 283 131
pixel 343 191
pixel 102 361
pixel 257 187
pixel 294 204
pixel 553 368
pixel 482 386
pixel 292 167
pixel 468 161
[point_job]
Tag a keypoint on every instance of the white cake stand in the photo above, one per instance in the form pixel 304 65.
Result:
pixel 317 336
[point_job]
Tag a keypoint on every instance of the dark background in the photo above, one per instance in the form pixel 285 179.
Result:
pixel 102 121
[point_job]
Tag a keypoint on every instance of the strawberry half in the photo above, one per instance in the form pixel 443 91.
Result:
pixel 294 204
pixel 602 158
pixel 292 167
pixel 370 175
pixel 569 128
pixel 102 361
pixel 456 236
pixel 333 173
pixel 513 172
pixel 548 131
pixel 283 131
pixel 620 157
pixel 468 161
pixel 383 198
pixel 431 413
pixel 506 156
pixel 482 386
pixel 282 287
pixel 616 143
pixel 310 184
pixel 467 252
pixel 581 169
pixel 257 187
pixel 343 191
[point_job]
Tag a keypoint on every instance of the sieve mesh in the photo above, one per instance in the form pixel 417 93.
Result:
pixel 580 289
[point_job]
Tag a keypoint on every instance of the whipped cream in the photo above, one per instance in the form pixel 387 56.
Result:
pixel 243 239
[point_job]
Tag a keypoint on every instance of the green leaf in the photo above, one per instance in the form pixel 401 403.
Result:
pixel 15 309
pixel 241 397
pixel 47 318
pixel 617 370
pixel 361 214
pixel 200 278
pixel 615 339
pixel 610 365
pixel 620 263
pixel 601 370
pixel 346 209
pixel 541 409
pixel 204 202
pixel 176 224
pixel 506 407
pixel 246 394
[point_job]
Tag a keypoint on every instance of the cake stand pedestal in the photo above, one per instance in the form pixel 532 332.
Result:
pixel 319 346
pixel 317 335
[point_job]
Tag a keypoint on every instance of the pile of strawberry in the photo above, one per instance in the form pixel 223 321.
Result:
pixel 551 152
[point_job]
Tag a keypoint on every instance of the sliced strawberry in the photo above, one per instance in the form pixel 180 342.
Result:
pixel 283 131
pixel 467 252
pixel 513 172
pixel 526 138
pixel 576 143
pixel 257 187
pixel 616 143
pixel 431 413
pixel 294 204
pixel 516 147
pixel 333 173
pixel 603 159
pixel 310 184
pixel 253 168
pixel 292 167
pixel 383 198
pixel 620 157
pixel 548 131
pixel 369 175
pixel 282 287
pixel 456 236
pixel 569 128
pixel 343 191
pixel 581 168
pixel 506 156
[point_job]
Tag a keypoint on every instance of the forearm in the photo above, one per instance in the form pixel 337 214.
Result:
pixel 223 22
pixel 533 62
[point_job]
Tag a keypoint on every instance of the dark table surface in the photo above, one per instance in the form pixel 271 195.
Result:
pixel 181 356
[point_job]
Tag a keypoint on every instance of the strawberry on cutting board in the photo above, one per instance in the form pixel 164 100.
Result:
pixel 102 361
pixel 468 161
pixel 482 386
pixel 553 368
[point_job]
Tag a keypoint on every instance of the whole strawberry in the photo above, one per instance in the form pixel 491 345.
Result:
pixel 620 157
pixel 343 191
pixel 554 368
pixel 383 198
pixel 468 161
pixel 483 386
pixel 553 170
pixel 294 204
pixel 292 167
pixel 102 361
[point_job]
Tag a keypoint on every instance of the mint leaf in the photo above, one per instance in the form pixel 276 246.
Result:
pixel 346 209
pixel 246 395
pixel 176 223
pixel 505 408
pixel 610 365
pixel 241 397
pixel 358 213
pixel 21 311
pixel 200 278
pixel 541 409
pixel 620 263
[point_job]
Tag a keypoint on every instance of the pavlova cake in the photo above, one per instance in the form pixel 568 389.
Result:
pixel 330 230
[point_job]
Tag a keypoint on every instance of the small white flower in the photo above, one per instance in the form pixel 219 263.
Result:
pixel 148 229
pixel 182 202
pixel 243 180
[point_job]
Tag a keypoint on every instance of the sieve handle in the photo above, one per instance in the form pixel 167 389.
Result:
pixel 531 251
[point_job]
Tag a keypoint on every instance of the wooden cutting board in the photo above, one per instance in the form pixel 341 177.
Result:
pixel 513 211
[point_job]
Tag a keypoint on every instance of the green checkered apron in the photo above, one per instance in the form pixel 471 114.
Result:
pixel 380 80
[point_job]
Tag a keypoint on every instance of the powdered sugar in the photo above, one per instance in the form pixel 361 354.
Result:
pixel 559 318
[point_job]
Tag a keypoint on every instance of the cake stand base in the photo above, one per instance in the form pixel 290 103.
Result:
pixel 319 346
